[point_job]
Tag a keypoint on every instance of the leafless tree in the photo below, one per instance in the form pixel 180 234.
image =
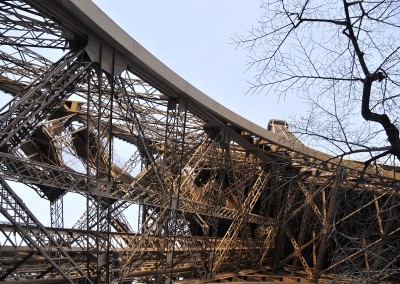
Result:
pixel 342 57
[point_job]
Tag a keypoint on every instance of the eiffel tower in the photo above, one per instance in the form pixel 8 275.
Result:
pixel 219 198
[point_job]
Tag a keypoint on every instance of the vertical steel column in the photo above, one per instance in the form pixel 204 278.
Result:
pixel 88 171
pixel 168 170
pixel 110 163
pixel 175 192
pixel 57 213
pixel 98 165
pixel 215 184
pixel 328 222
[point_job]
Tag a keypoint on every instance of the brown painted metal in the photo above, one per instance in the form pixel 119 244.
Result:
pixel 221 199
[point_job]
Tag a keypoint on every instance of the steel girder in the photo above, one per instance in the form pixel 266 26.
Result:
pixel 13 208
pixel 214 196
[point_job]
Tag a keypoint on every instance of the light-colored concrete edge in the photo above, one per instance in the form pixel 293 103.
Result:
pixel 96 21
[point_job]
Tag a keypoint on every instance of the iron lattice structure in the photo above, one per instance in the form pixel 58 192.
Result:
pixel 220 199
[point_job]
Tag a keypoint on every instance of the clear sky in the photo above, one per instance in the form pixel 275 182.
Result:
pixel 194 39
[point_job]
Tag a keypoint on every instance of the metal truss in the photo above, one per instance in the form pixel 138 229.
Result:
pixel 218 198
pixel 57 213
pixel 27 27
pixel 12 207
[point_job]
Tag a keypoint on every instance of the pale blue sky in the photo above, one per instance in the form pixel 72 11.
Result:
pixel 194 39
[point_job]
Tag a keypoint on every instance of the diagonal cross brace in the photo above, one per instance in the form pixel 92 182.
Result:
pixel 239 219
pixel 16 168
pixel 14 209
pixel 20 116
